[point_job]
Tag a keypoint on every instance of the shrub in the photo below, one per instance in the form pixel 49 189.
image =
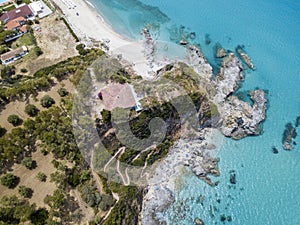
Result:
pixel 62 92
pixel 81 50
pixel 28 163
pixel 9 180
pixel 2 131
pixel 14 120
pixel 31 110
pixel 23 70
pixel 29 22
pixel 25 191
pixel 47 101
pixel 38 51
pixel 39 217
pixel 106 116
pixel 41 177
pixel 107 201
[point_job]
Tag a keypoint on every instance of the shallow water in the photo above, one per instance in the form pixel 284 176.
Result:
pixel 267 184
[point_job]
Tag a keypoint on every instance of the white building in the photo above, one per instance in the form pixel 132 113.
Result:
pixel 40 9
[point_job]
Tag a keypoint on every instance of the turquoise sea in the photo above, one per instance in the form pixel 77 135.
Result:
pixel 268 185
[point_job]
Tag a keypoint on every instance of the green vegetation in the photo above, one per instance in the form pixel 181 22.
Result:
pixel 15 211
pixel 9 180
pixel 81 50
pixel 126 211
pixel 10 7
pixel 38 51
pixel 19 2
pixel 21 88
pixel 15 120
pixel 62 92
pixel 70 29
pixel 47 101
pixel 24 70
pixel 57 200
pixel 2 131
pixel 28 163
pixel 106 116
pixel 27 40
pixel 106 69
pixel 31 110
pixel 25 192
pixel 41 176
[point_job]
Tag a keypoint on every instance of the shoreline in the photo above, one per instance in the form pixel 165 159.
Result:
pixel 91 27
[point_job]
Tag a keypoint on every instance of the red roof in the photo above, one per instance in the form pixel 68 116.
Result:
pixel 15 23
pixel 117 95
pixel 23 11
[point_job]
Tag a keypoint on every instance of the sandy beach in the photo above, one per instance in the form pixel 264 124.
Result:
pixel 88 25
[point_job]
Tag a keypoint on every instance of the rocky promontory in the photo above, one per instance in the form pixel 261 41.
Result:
pixel 232 116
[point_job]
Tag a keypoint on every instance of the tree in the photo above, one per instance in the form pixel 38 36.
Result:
pixel 25 191
pixel 107 201
pixel 14 120
pixel 106 116
pixel 57 200
pixel 62 92
pixel 41 176
pixel 28 163
pixel 31 110
pixel 24 70
pixel 38 51
pixel 9 180
pixel 39 217
pixel 47 101
pixel 2 131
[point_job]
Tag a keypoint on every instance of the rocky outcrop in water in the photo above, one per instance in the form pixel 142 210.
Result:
pixel 288 136
pixel 195 154
pixel 234 118
pixel 242 54
pixel 198 62
pixel 239 118
pixel 220 52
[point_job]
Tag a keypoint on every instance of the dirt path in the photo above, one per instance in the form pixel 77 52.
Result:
pixel 87 211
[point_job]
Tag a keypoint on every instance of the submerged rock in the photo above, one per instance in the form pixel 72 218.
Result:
pixel 275 150
pixel 240 51
pixel 233 178
pixel 297 121
pixel 207 39
pixel 199 221
pixel 220 52
pixel 288 135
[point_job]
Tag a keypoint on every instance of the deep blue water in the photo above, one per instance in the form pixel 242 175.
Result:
pixel 268 185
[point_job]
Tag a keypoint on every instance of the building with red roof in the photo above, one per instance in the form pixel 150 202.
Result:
pixel 23 11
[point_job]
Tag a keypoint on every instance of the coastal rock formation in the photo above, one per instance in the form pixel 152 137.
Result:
pixel 149 46
pixel 229 114
pixel 240 51
pixel 229 78
pixel 288 136
pixel 198 62
pixel 240 119
pixel 220 52
pixel 161 189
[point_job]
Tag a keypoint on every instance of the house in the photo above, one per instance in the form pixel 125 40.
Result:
pixel 13 55
pixel 118 95
pixel 23 11
pixel 40 9
pixel 16 23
